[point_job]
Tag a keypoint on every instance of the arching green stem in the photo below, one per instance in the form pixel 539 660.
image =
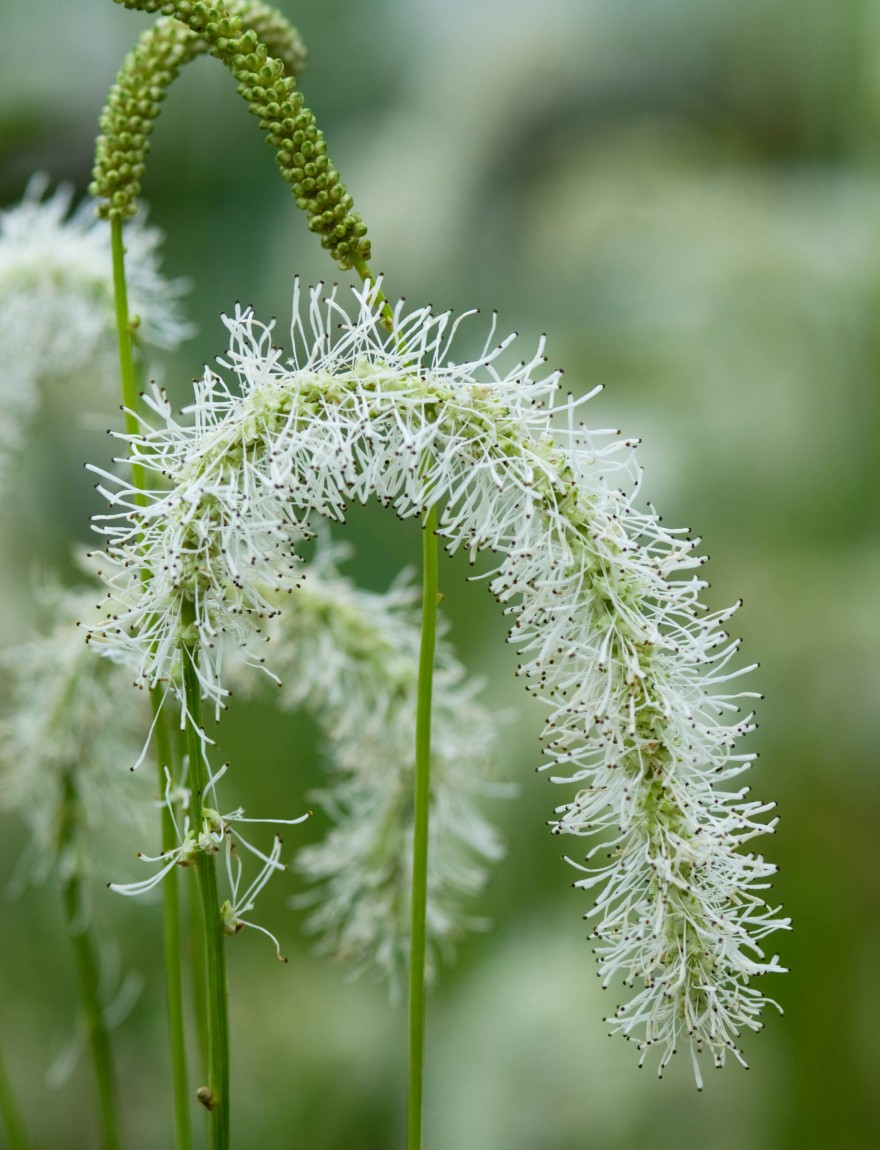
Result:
pixel 124 341
pixel 420 831
pixel 266 83
pixel 143 81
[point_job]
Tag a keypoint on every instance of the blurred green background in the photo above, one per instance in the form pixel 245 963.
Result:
pixel 686 198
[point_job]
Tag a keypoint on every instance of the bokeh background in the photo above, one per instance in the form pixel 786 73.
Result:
pixel 686 198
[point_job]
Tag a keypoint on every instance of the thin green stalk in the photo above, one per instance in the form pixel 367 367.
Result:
pixel 164 748
pixel 196 967
pixel 12 1122
pixel 123 338
pixel 173 975
pixel 76 913
pixel 195 955
pixel 216 1096
pixel 420 832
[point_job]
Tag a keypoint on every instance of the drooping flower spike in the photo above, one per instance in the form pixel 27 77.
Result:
pixel 144 80
pixel 608 622
pixel 351 658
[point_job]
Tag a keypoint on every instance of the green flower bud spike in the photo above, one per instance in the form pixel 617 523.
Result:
pixel 147 73
pixel 266 81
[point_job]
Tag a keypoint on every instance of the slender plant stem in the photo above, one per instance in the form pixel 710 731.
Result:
pixel 420 831
pixel 76 913
pixel 123 338
pixel 164 747
pixel 173 950
pixel 195 955
pixel 199 996
pixel 12 1121
pixel 216 1098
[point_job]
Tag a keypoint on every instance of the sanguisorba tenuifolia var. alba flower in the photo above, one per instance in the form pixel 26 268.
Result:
pixel 644 714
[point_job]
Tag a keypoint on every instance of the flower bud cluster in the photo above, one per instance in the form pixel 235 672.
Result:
pixel 147 72
pixel 300 150
pixel 644 715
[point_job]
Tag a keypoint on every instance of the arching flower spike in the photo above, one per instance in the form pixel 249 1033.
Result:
pixel 614 639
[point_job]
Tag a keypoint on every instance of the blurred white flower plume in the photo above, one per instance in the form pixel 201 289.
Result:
pixel 66 714
pixel 643 717
pixel 351 656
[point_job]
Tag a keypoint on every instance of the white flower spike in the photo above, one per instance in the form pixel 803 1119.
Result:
pixel 614 640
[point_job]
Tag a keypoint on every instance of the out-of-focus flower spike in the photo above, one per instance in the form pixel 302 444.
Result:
pixel 66 712
pixel 351 657
pixel 56 300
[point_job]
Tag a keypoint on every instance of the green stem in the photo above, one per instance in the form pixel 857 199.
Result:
pixel 124 342
pixel 420 832
pixel 165 751
pixel 199 995
pixel 76 913
pixel 12 1122
pixel 173 976
pixel 421 796
pixel 216 1097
